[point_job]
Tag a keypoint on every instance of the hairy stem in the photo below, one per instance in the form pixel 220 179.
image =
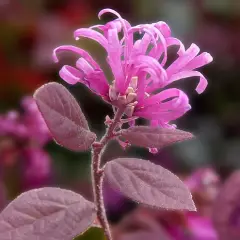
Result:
pixel 97 172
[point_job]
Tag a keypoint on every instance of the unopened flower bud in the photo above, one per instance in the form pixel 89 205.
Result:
pixel 129 90
pixel 112 93
pixel 133 104
pixel 108 120
pixel 131 97
pixel 134 82
pixel 122 100
pixel 129 111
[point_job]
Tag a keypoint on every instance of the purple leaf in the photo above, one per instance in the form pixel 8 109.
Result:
pixel 154 137
pixel 64 117
pixel 46 214
pixel 149 184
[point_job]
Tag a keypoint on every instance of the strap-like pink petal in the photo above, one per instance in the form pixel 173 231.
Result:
pixel 70 74
pixel 199 61
pixel 183 60
pixel 186 74
pixel 83 53
pixel 114 59
pixel 91 34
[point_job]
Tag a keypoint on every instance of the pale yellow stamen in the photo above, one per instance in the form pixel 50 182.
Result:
pixel 134 82
pixel 131 97
pixel 129 111
pixel 130 90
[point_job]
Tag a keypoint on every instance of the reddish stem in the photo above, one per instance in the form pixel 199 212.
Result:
pixel 97 172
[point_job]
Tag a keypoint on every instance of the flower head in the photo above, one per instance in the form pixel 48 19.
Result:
pixel 139 68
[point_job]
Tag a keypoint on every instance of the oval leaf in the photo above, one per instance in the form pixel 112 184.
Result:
pixel 64 117
pixel 154 137
pixel 149 184
pixel 92 233
pixel 46 214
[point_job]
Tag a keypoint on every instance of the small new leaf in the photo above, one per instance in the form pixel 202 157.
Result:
pixel 92 233
pixel 46 213
pixel 64 117
pixel 149 184
pixel 154 137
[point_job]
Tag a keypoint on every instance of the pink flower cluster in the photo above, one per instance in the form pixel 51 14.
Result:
pixel 140 68
pixel 22 138
pixel 30 125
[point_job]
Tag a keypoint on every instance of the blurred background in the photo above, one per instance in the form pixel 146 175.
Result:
pixel 31 29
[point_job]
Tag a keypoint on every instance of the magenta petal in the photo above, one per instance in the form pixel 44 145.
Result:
pixel 94 79
pixel 141 86
pixel 174 41
pixel 148 29
pixel 125 25
pixel 115 24
pixel 84 66
pixel 164 116
pixel 157 52
pixel 77 50
pixel 185 74
pixel 70 74
pixel 157 114
pixel 99 26
pixel 155 34
pixel 154 76
pixel 164 45
pixel 179 101
pixel 162 96
pixel 163 28
pixel 140 46
pixel 97 82
pixel 146 62
pixel 137 49
pixel 114 59
pixel 199 61
pixel 108 10
pixel 91 34
pixel 183 60
pixel 165 111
